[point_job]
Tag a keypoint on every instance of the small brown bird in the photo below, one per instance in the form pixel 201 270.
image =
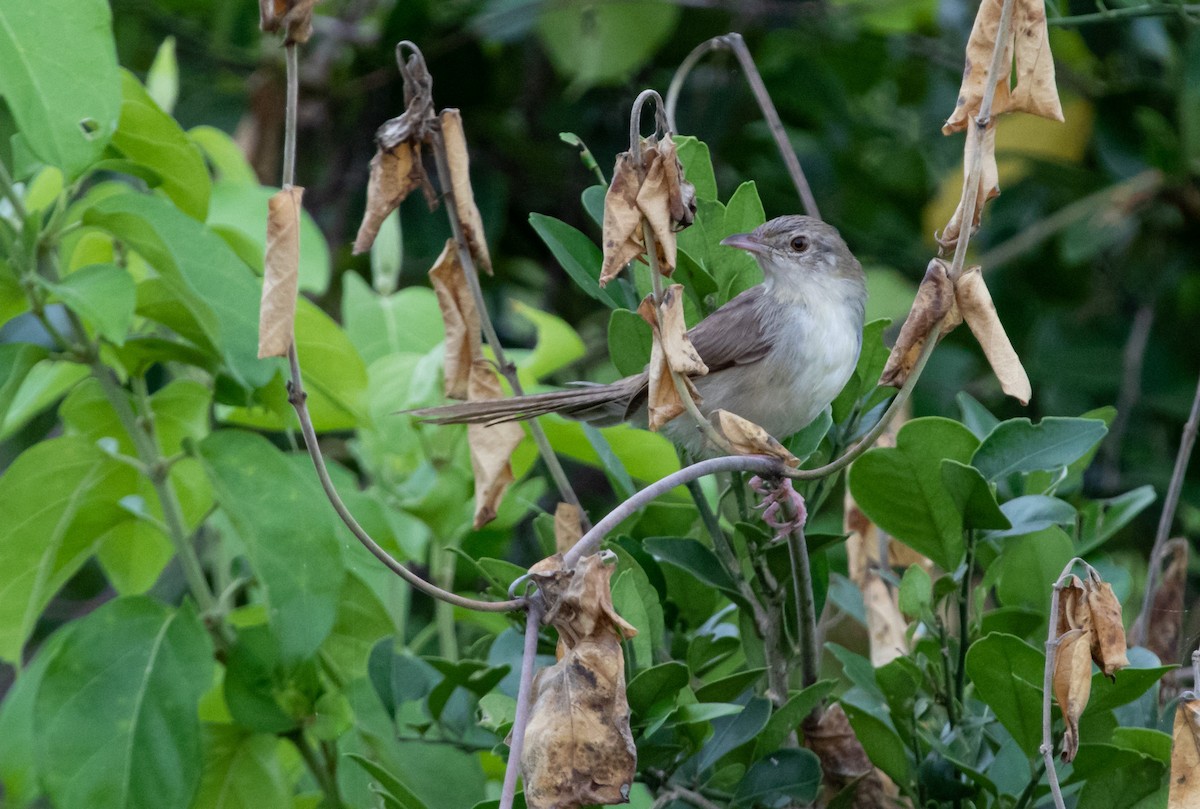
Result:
pixel 777 354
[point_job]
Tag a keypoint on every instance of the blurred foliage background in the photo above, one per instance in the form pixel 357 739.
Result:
pixel 1091 250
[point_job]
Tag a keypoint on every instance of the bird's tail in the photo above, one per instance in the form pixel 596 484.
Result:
pixel 597 404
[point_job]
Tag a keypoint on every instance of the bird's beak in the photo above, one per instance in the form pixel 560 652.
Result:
pixel 745 241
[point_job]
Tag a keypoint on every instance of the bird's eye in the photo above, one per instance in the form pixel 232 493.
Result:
pixel 800 243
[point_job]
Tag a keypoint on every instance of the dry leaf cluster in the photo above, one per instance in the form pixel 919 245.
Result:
pixel 293 17
pixel 655 192
pixel 1089 630
pixel 281 271
pixel 1184 791
pixel 942 304
pixel 492 445
pixel 579 749
pixel 671 351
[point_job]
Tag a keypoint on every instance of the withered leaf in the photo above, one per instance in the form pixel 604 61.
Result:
pixel 666 200
pixel 1073 684
pixel 460 185
pixel 843 759
pixel 395 172
pixel 1184 792
pixel 987 188
pixel 568 528
pixel 1163 623
pixel 887 630
pixel 1073 612
pixel 578 746
pixel 277 311
pixel 747 438
pixel 979 57
pixel 671 351
pixel 1108 641
pixel 622 233
pixel 461 319
pixel 933 303
pixel 1035 91
pixel 295 16
pixel 491 446
pixel 976 307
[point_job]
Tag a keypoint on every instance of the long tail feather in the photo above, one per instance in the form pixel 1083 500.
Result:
pixel 591 403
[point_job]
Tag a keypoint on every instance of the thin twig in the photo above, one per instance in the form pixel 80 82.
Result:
pixel 734 42
pixel 533 622
pixel 1167 518
pixel 549 458
pixel 1184 11
pixel 806 608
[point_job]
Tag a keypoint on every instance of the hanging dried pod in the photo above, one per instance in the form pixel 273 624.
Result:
pixel 460 318
pixel 671 351
pixel 281 271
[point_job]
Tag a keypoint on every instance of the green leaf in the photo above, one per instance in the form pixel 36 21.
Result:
pixel 1117 778
pixel 978 419
pixel 731 732
pixel 1153 743
pixel 1029 565
pixel 901 488
pixel 240 208
pixel 381 325
pixel 16 361
pixel 788 718
pixel 697 165
pixel 805 443
pixel 576 254
pixel 242 770
pixel 973 496
pixel 1126 685
pixel 1104 518
pixel 791 774
pixel 162 80
pixel 1018 445
pixel 1007 675
pixel 916 591
pixel 207 294
pixel 647 456
pixel 1034 512
pixel 558 345
pixel 603 43
pixel 116 713
pixel 44 385
pixel 874 729
pixel 396 788
pixel 629 340
pixel 103 295
pixel 690 555
pixel 151 138
pixel 59 496
pixel 17 772
pixel 730 688
pixel 60 78
pixel 637 601
pixel 287 526
pixel 655 684
pixel 228 162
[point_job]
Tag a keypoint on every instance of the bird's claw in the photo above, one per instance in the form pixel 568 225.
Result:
pixel 774 497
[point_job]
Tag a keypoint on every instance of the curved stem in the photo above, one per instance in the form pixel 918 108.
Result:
pixel 734 42
pixel 533 621
pixel 635 123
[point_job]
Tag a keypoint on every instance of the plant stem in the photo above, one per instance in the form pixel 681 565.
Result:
pixel 1113 14
pixel 444 611
pixel 289 131
pixel 737 45
pixel 1186 442
pixel 319 773
pixel 533 622
pixel 964 619
pixel 1027 795
pixel 549 458
pixel 802 586
pixel 1047 747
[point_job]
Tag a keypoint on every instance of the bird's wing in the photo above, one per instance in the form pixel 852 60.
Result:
pixel 735 334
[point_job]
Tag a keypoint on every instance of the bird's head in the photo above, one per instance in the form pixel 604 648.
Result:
pixel 798 249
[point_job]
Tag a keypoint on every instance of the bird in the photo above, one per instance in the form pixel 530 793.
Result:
pixel 777 354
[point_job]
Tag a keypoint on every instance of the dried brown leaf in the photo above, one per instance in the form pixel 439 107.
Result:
pixel 295 16
pixel 887 630
pixel 671 350
pixel 747 438
pixel 460 185
pixel 1108 640
pixel 1184 792
pixel 579 749
pixel 843 759
pixel 975 305
pixel 568 528
pixel 666 199
pixel 1164 621
pixel 491 446
pixel 277 312
pixel 622 236
pixel 1072 684
pixel 461 319
pixel 988 187
pixel 395 172
pixel 979 57
pixel 1073 612
pixel 1035 91
pixel 934 301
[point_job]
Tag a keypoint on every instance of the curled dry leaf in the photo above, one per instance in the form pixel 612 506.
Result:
pixel 987 188
pixel 395 172
pixel 461 320
pixel 1073 684
pixel 294 16
pixel 277 312
pixel 657 194
pixel 671 351
pixel 1184 792
pixel 1029 41
pixel 933 305
pixel 1073 612
pixel 843 759
pixel 976 307
pixel 1164 621
pixel 1108 640
pixel 747 438
pixel 578 746
pixel 460 185
pixel 491 446
pixel 568 528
